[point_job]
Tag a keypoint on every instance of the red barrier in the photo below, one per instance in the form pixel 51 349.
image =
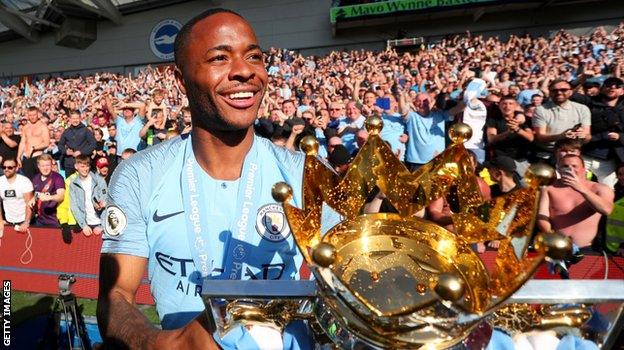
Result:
pixel 51 257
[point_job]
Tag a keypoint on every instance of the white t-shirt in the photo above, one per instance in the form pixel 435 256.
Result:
pixel 12 195
pixel 92 217
pixel 474 115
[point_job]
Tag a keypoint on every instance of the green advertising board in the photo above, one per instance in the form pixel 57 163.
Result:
pixel 394 6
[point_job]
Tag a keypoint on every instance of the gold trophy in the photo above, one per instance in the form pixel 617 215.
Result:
pixel 400 281
pixel 397 280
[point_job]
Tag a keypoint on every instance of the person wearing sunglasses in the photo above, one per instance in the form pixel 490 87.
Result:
pixel 606 148
pixel 560 118
pixel 15 191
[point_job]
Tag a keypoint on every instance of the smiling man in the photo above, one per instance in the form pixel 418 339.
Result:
pixel 199 206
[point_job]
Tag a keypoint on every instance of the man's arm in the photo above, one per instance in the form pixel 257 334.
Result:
pixel 8 141
pixel 28 196
pixel 123 326
pixel 598 195
pixel 543 211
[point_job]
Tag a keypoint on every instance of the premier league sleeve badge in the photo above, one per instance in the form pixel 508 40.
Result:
pixel 114 220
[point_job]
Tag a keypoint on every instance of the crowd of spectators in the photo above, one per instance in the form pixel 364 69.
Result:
pixel 526 98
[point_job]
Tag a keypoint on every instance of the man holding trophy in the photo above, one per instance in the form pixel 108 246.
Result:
pixel 200 206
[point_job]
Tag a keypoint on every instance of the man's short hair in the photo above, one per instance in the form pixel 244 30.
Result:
pixel 10 159
pixel 33 108
pixel 558 81
pixel 568 156
pixel 182 38
pixel 129 151
pixel 507 97
pixel 83 159
pixel 44 157
pixel 568 144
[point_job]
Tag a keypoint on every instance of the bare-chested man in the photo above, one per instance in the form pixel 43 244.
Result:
pixel 35 139
pixel 573 205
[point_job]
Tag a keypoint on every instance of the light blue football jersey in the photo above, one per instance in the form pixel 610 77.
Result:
pixel 147 189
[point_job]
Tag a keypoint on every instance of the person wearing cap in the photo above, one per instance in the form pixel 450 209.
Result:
pixel 606 147
pixel 339 158
pixel 502 170
pixel 102 168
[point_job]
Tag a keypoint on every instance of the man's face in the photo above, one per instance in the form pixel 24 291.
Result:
pixel 335 110
pixel 508 106
pixel 158 98
pixel 537 101
pixel 223 73
pixel 7 128
pixel 288 108
pixel 128 113
pixel 103 171
pixel 612 91
pixel 83 169
pixel 422 104
pixel 332 143
pixel 564 151
pixel 112 131
pixel 369 99
pixel 101 121
pixel 33 116
pixel 74 119
pixel 45 167
pixel 352 111
pixel 9 167
pixel 573 163
pixel 560 92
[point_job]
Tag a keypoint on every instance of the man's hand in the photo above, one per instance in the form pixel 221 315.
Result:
pixel 569 178
pixel 613 136
pixel 494 244
pixel 87 231
pixel 99 205
pixel 297 129
pixel 480 247
pixel 403 138
pixel 23 227
pixel 69 152
pixel 76 153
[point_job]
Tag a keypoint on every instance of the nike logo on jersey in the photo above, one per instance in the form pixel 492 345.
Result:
pixel 158 218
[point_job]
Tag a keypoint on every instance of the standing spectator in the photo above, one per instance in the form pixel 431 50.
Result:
pixel 511 135
pixel 15 191
pixel 112 133
pixel 394 129
pixel 154 130
pixel 35 139
pixel 349 126
pixel 49 189
pixel 76 140
pixel 425 129
pixel 128 125
pixel 87 193
pixel 9 142
pixel 103 169
pixel 573 205
pixel 560 118
pixel 607 131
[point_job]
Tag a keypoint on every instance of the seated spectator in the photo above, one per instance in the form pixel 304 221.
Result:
pixel 87 193
pixel 573 205
pixel 15 191
pixel 49 189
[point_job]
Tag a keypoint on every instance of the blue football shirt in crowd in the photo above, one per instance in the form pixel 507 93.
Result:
pixel 393 128
pixel 128 134
pixel 426 136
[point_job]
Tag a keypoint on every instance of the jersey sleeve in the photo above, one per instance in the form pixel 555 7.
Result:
pixel 124 223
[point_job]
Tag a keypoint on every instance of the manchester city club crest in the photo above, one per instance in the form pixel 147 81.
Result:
pixel 271 223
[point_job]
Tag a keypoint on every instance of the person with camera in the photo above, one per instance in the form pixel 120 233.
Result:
pixel 560 118
pixel 573 205
pixel 510 136
pixel 606 146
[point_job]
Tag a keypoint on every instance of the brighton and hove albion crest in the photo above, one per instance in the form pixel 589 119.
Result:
pixel 271 223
